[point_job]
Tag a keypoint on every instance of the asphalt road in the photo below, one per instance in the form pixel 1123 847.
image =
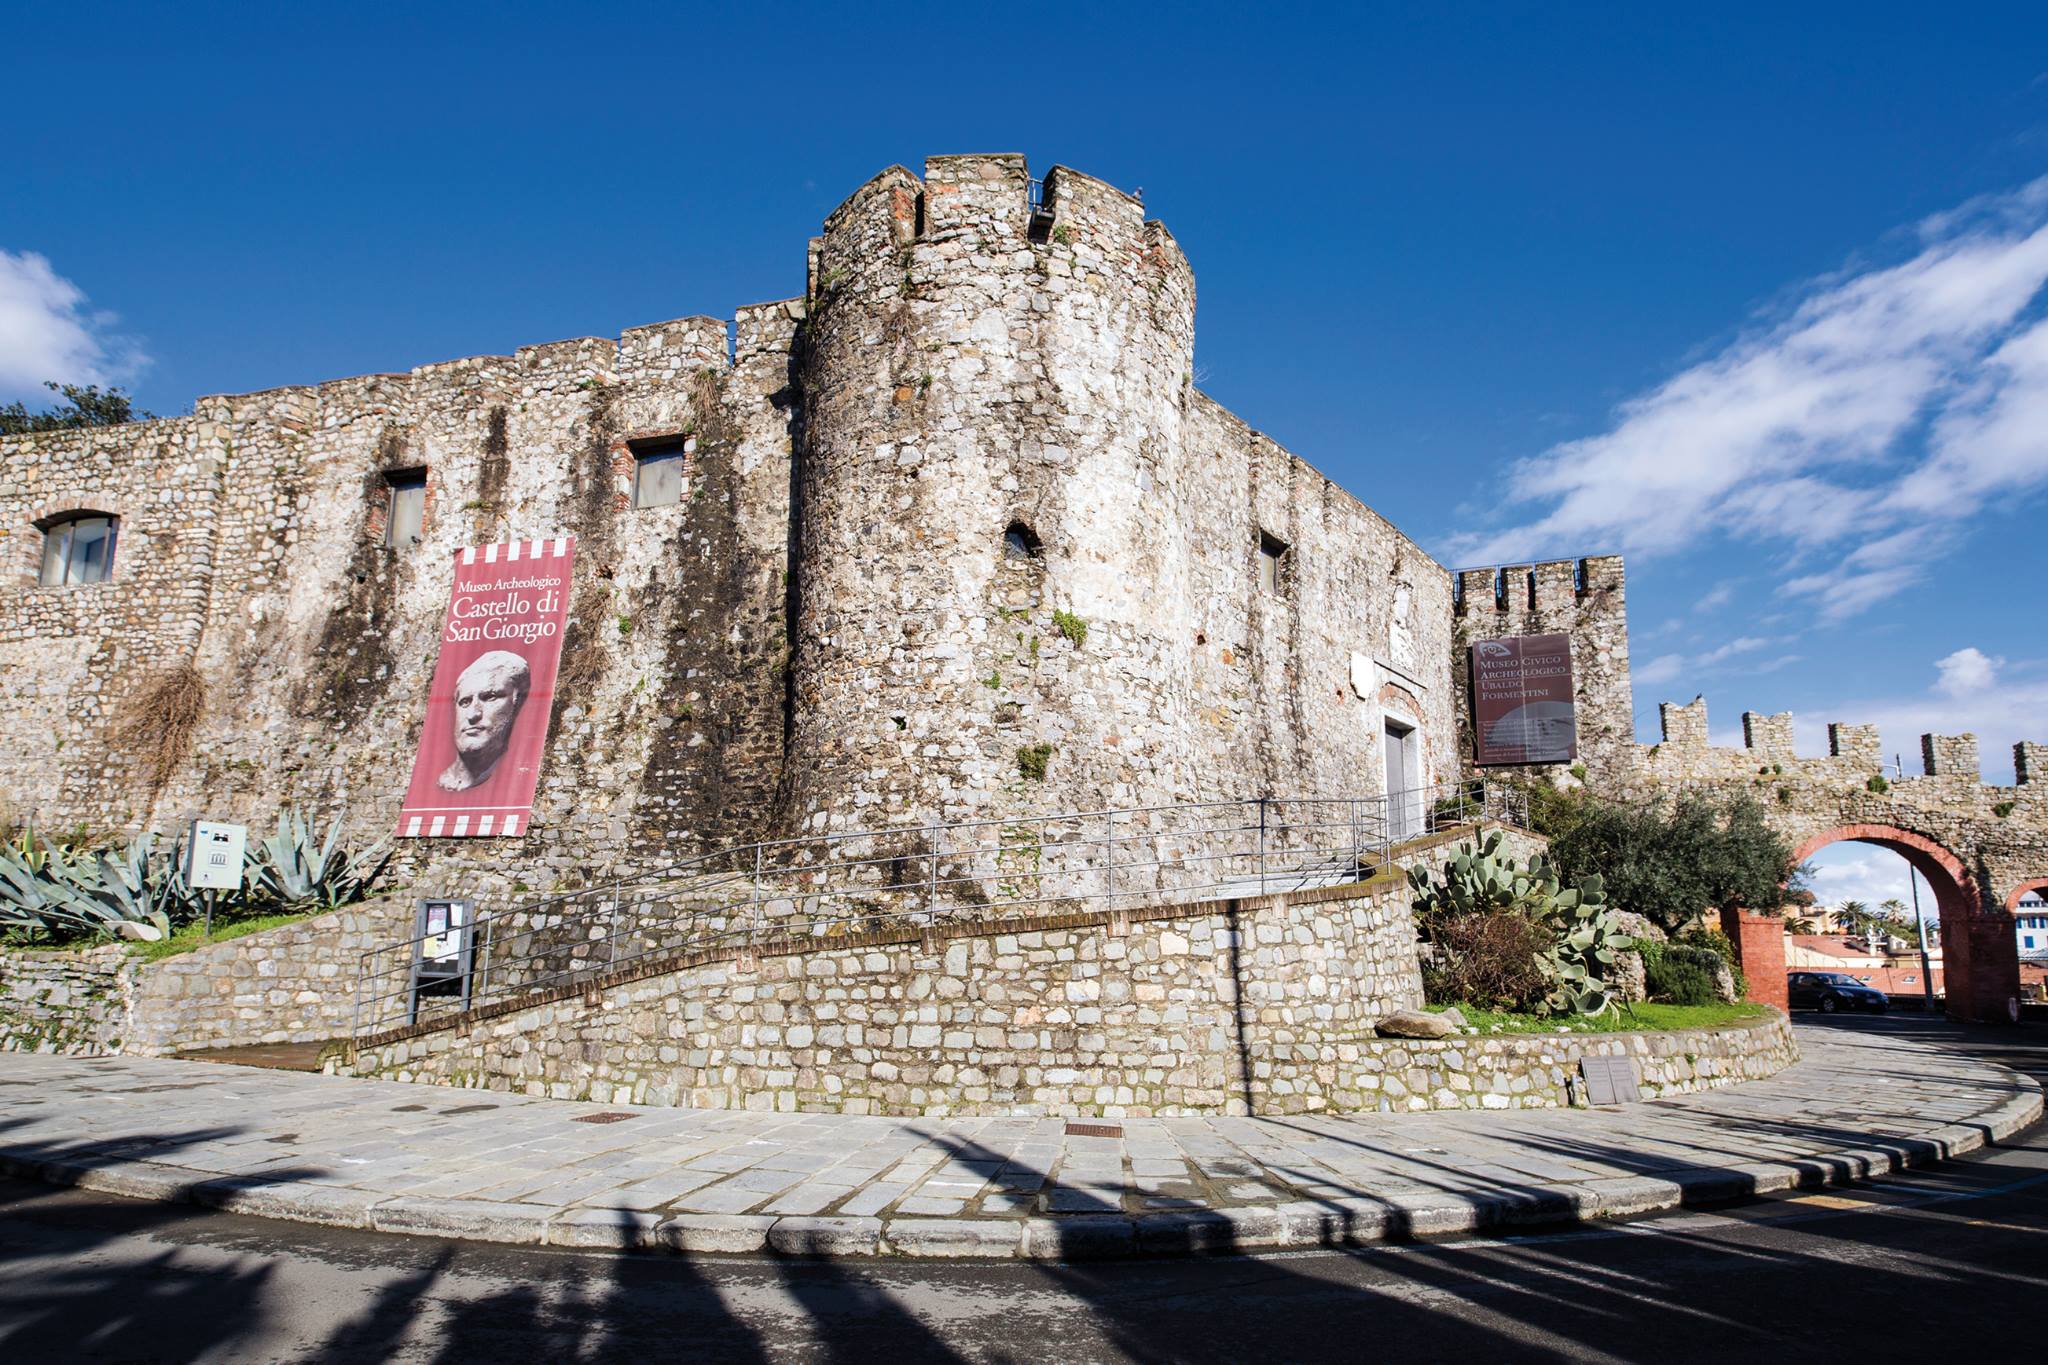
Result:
pixel 1919 1267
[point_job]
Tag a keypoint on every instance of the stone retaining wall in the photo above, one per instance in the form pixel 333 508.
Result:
pixel 1219 1007
pixel 1541 1071
pixel 292 984
pixel 73 1002
pixel 1262 1005
pixel 295 983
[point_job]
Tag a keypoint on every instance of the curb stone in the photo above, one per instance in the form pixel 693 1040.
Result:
pixel 605 1229
pixel 947 1237
pixel 734 1233
pixel 298 1201
pixel 478 1220
pixel 826 1236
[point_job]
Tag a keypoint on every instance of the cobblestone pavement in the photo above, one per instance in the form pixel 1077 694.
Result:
pixel 505 1168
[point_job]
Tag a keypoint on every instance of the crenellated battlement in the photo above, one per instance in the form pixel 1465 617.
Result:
pixel 1544 585
pixel 1855 752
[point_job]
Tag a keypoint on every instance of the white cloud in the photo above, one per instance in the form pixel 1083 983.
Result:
pixel 1864 872
pixel 1666 668
pixel 1806 430
pixel 48 333
pixel 1966 671
pixel 1745 644
pixel 1720 596
pixel 1999 702
pixel 1662 669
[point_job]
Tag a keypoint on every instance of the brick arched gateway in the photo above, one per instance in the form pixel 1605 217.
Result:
pixel 1980 956
pixel 2012 902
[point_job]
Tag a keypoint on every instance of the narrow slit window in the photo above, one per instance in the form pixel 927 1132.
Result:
pixel 406 515
pixel 661 473
pixel 1272 561
pixel 79 550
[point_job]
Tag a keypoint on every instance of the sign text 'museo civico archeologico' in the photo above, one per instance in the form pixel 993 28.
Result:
pixel 1522 709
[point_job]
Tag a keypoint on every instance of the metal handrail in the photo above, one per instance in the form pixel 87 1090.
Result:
pixel 830 886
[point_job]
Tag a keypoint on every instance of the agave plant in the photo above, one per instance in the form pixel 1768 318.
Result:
pixel 60 892
pixel 298 870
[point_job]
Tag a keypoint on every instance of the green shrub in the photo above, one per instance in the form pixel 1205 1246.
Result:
pixel 1071 626
pixel 1032 760
pixel 62 892
pixel 1719 944
pixel 1681 975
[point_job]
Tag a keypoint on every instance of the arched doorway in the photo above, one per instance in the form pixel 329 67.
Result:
pixel 1980 956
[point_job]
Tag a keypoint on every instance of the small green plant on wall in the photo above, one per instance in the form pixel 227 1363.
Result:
pixel 1071 626
pixel 1032 760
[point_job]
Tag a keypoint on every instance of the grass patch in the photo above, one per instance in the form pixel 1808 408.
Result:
pixel 188 937
pixel 1641 1018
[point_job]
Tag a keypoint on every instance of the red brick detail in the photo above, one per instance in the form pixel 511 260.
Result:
pixel 1980 956
pixel 1759 941
pixel 2012 902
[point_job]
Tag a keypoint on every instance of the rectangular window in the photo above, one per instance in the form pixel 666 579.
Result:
pixel 661 471
pixel 1272 559
pixel 406 522
pixel 80 550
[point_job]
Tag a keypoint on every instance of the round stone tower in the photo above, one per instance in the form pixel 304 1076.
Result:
pixel 992 578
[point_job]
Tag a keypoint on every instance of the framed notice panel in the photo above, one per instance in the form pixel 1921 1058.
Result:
pixel 1522 709
pixel 487 712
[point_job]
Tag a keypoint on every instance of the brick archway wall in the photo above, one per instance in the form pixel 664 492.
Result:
pixel 2012 902
pixel 1980 956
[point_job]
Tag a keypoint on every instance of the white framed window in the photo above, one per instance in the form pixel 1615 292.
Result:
pixel 661 471
pixel 405 516
pixel 79 548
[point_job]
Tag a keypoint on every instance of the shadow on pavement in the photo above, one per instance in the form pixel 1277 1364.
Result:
pixel 1781 1279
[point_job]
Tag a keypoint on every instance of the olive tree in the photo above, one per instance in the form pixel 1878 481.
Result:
pixel 1668 863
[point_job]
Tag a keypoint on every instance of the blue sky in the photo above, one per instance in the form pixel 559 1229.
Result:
pixel 1752 294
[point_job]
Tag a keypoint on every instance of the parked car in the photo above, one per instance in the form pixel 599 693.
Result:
pixel 1829 992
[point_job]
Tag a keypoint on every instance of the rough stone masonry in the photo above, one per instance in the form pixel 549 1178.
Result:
pixel 960 539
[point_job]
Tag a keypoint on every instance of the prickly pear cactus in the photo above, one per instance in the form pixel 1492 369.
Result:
pixel 1586 941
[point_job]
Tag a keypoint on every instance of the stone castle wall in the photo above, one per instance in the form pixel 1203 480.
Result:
pixel 251 548
pixel 1585 599
pixel 826 633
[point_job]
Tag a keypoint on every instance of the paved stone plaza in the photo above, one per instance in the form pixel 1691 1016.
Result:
pixel 495 1167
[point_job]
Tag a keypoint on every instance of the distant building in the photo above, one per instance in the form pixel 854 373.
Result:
pixel 2030 923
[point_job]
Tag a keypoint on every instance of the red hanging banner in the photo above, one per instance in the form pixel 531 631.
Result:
pixel 494 684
